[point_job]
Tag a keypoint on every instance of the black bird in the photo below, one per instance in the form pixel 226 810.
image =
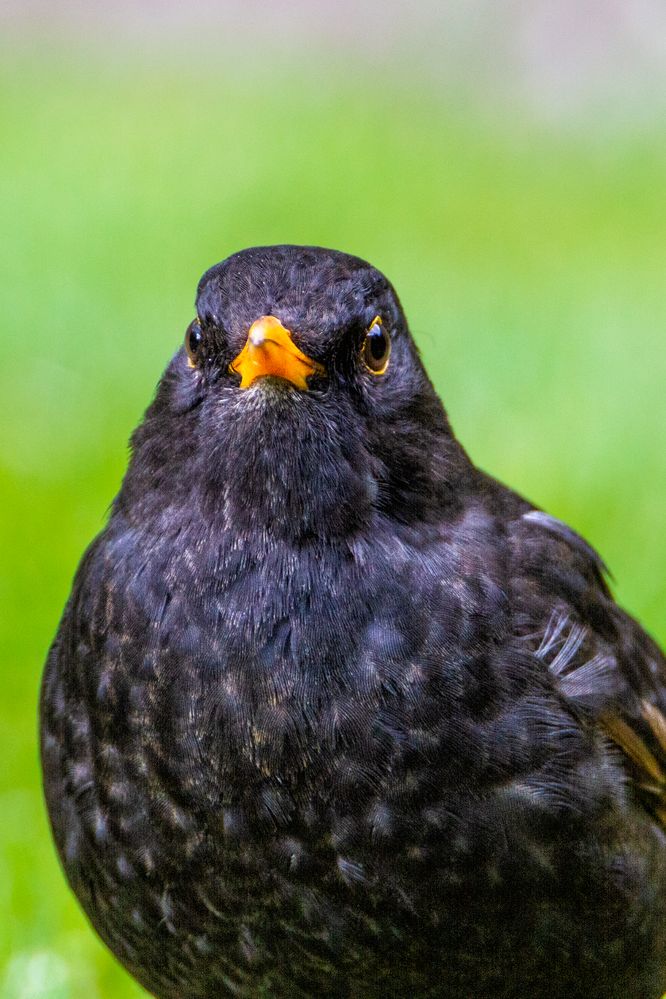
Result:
pixel 331 712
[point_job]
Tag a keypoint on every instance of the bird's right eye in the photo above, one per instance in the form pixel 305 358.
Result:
pixel 193 340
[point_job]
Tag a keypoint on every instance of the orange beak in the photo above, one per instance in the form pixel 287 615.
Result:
pixel 269 350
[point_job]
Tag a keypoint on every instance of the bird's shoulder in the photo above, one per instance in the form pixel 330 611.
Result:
pixel 602 662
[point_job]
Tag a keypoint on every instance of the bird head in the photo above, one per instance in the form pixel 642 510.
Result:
pixel 297 405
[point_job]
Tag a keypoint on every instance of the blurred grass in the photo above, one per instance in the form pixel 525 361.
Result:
pixel 530 263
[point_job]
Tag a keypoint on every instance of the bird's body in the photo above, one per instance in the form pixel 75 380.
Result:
pixel 331 712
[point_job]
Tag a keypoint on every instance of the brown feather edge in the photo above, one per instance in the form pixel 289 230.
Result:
pixel 633 746
pixel 657 722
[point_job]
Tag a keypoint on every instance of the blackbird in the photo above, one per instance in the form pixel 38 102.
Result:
pixel 330 711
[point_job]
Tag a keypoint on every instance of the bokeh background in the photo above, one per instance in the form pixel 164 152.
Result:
pixel 504 163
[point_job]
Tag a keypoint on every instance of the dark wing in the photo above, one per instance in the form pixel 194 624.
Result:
pixel 602 661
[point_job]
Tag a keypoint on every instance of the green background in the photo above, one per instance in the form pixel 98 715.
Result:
pixel 529 255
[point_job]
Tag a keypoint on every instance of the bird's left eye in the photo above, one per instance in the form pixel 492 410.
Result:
pixel 376 348
pixel 193 339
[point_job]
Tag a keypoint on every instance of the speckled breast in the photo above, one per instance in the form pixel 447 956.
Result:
pixel 297 781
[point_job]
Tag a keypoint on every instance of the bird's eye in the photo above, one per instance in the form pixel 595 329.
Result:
pixel 193 338
pixel 376 348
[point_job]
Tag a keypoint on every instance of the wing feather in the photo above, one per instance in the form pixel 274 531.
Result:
pixel 601 660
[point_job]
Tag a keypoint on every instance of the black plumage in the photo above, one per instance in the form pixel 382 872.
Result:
pixel 330 712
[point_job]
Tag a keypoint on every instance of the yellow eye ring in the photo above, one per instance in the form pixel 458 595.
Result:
pixel 376 349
